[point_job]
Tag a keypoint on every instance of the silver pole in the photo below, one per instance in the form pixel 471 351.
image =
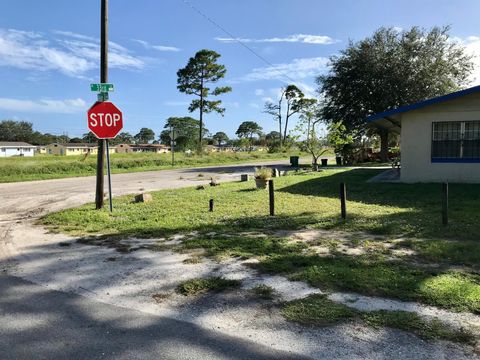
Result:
pixel 109 176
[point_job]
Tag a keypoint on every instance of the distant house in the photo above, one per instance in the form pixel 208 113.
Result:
pixel 74 149
pixel 219 148
pixel 212 148
pixel 137 148
pixel 15 148
pixel 41 149
pixel 440 137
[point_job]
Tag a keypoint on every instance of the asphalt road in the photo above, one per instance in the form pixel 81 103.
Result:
pixel 37 323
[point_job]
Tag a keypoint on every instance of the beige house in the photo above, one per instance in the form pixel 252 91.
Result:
pixel 440 137
pixel 71 149
pixel 219 148
pixel 136 148
pixel 41 149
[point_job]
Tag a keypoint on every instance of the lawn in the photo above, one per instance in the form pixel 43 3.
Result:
pixel 403 250
pixel 53 167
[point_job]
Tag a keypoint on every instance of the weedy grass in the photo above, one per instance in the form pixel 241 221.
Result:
pixel 264 292
pixel 317 310
pixel 198 286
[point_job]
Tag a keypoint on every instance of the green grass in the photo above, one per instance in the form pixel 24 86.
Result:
pixel 304 200
pixel 317 310
pixel 264 292
pixel 53 167
pixel 240 227
pixel 456 291
pixel 202 285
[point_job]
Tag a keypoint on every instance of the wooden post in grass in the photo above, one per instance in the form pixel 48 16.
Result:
pixel 271 197
pixel 343 200
pixel 445 203
pixel 210 205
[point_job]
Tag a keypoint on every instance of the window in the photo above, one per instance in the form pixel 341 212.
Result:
pixel 456 141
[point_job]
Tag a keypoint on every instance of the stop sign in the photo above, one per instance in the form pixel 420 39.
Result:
pixel 105 120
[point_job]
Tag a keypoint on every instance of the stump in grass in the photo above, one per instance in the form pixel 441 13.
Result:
pixel 143 198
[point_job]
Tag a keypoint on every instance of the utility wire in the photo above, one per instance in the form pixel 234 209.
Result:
pixel 233 37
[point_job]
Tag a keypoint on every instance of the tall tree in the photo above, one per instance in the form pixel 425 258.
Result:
pixel 194 79
pixel 220 137
pixel 144 136
pixel 123 138
pixel 11 130
pixel 316 144
pixel 185 131
pixel 89 138
pixel 291 101
pixel 388 70
pixel 247 130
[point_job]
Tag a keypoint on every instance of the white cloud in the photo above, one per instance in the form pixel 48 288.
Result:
pixel 308 91
pixel 254 105
pixel 69 53
pixel 259 92
pixel 297 69
pixel 296 38
pixel 68 106
pixel 147 45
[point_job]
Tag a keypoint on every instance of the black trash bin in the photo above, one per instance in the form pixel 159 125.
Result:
pixel 294 161
pixel 338 159
pixel 324 162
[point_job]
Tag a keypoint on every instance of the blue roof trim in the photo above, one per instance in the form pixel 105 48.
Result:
pixel 424 103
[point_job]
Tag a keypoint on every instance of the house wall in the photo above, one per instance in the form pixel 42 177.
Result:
pixel 59 149
pixel 21 151
pixel 416 142
pixel 55 149
pixel 123 149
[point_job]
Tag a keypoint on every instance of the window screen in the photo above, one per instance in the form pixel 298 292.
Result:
pixel 456 140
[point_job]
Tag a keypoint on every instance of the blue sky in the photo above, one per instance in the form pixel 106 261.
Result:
pixel 49 52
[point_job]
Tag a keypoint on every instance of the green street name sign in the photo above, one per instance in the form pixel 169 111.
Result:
pixel 102 87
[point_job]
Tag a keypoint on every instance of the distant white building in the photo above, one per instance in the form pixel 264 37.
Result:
pixel 13 148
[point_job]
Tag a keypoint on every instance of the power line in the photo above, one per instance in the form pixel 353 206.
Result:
pixel 233 37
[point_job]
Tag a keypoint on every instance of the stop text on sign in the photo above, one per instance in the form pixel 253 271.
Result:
pixel 105 120
pixel 101 119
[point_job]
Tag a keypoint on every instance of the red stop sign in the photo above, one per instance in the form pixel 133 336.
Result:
pixel 105 120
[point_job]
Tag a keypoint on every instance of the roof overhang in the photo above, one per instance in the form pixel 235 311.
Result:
pixel 391 119
pixel 390 123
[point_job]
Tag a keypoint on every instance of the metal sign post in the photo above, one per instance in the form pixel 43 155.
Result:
pixel 172 144
pixel 105 121
pixel 109 177
pixel 103 79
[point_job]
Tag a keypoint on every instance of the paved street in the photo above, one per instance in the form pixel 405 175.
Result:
pixel 37 323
